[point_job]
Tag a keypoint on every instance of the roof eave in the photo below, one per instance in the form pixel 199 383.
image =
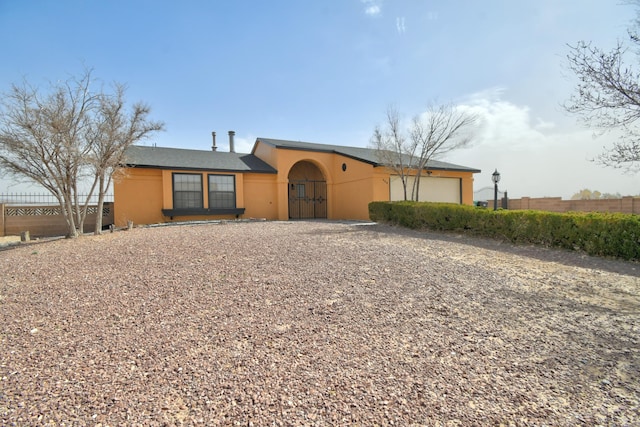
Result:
pixel 190 168
pixel 461 169
pixel 316 150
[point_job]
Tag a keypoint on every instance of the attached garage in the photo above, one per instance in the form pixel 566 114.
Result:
pixel 432 189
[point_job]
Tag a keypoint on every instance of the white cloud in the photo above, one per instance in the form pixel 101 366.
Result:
pixel 240 144
pixel 544 125
pixel 400 25
pixel 372 10
pixel 501 123
pixel 534 158
pixel 244 145
pixel 372 7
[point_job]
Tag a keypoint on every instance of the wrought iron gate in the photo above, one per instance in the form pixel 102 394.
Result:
pixel 307 199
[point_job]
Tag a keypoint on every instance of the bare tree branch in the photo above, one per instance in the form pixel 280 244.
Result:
pixel 117 130
pixel 438 131
pixel 607 96
pixel 66 136
pixel 392 148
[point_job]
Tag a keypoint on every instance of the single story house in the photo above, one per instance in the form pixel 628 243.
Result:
pixel 278 180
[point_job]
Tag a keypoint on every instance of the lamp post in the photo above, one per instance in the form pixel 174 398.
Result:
pixel 495 177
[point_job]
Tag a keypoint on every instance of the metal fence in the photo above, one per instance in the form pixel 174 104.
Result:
pixel 31 199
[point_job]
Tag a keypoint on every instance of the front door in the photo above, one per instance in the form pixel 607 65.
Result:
pixel 307 199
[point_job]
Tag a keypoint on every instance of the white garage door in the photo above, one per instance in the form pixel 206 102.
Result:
pixel 432 189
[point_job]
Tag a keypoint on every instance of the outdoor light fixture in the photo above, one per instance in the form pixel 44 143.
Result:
pixel 495 177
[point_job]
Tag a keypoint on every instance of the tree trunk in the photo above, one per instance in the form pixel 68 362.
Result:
pixel 67 211
pixel 82 210
pixel 404 187
pixel 101 191
pixel 416 184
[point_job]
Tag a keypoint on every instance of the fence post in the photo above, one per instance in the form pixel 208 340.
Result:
pixel 626 205
pixel 505 201
pixel 2 232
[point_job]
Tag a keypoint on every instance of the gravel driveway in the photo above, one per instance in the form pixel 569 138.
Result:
pixel 314 323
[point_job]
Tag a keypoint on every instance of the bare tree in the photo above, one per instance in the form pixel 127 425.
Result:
pixel 116 130
pixel 607 96
pixel 393 148
pixel 61 140
pixel 440 130
pixel 407 152
pixel 42 140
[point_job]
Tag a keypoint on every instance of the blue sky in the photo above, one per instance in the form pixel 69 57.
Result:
pixel 326 71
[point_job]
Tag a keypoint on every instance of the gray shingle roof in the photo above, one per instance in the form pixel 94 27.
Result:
pixel 179 158
pixel 367 155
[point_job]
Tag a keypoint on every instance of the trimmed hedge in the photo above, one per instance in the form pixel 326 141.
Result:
pixel 601 234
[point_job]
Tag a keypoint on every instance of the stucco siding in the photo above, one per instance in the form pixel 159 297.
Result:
pixel 352 182
pixel 352 188
pixel 260 196
pixel 138 197
pixel 267 153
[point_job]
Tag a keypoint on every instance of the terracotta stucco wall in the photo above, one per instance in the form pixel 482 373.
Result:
pixel 145 192
pixel 267 153
pixel 380 184
pixel 353 188
pixel 142 195
pixel 260 196
pixel 349 192
pixel 138 197
pixel 285 159
pixel 467 188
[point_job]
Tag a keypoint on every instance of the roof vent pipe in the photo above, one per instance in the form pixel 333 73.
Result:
pixel 232 148
pixel 214 147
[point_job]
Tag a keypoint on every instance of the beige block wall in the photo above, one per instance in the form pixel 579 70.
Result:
pixel 30 218
pixel 629 205
pixel 2 232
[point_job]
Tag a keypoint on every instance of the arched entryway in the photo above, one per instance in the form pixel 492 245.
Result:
pixel 307 192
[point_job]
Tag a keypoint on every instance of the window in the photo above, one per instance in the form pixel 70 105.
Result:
pixel 222 191
pixel 187 191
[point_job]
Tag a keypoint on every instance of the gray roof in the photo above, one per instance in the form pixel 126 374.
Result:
pixel 367 155
pixel 179 158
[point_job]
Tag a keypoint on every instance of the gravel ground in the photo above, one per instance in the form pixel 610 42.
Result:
pixel 314 323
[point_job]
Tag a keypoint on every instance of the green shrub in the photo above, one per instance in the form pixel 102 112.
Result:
pixel 615 235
